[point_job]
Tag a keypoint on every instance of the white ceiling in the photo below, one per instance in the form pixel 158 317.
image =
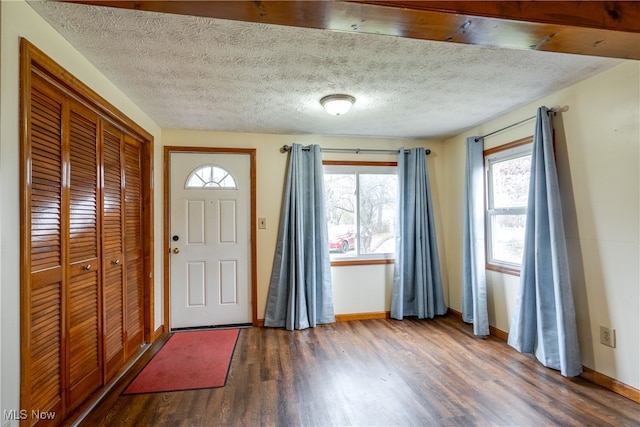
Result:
pixel 210 74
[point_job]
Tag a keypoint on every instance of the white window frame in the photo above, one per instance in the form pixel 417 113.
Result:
pixel 506 152
pixel 358 168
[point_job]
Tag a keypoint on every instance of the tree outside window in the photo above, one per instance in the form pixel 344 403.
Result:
pixel 361 204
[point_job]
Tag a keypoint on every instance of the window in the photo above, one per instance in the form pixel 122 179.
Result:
pixel 361 202
pixel 507 185
pixel 210 176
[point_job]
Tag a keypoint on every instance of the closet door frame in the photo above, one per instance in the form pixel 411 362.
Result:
pixel 34 62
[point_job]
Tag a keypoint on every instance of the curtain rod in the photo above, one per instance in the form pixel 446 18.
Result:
pixel 478 138
pixel 287 148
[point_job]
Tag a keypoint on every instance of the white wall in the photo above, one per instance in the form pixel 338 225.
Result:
pixel 19 20
pixel 598 157
pixel 356 289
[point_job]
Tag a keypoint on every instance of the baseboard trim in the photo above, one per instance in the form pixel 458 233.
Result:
pixel 363 316
pixel 587 373
pixel 498 333
pixel 610 384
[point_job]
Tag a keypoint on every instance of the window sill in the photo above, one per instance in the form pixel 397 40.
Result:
pixel 350 262
pixel 502 269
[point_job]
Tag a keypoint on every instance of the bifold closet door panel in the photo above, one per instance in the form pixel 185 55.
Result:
pixel 133 245
pixel 43 347
pixel 113 249
pixel 84 296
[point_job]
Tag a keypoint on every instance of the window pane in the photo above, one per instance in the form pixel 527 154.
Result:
pixel 378 207
pixel 510 182
pixel 507 238
pixel 340 199
pixel 210 176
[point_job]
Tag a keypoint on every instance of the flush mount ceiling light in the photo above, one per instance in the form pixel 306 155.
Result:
pixel 337 104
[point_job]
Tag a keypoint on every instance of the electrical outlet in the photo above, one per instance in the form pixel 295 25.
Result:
pixel 608 336
pixel 262 223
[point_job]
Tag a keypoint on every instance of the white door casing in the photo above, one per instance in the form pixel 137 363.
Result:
pixel 210 277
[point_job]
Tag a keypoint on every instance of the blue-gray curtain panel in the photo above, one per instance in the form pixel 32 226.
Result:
pixel 474 282
pixel 544 321
pixel 417 280
pixel 300 294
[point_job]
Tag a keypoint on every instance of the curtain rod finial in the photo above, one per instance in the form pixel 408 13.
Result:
pixel 285 148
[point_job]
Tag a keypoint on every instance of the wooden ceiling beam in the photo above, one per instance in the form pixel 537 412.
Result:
pixel 604 15
pixel 596 28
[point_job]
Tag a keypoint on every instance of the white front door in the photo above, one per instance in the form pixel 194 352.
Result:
pixel 210 277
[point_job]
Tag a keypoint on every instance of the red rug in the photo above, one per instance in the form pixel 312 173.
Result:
pixel 189 360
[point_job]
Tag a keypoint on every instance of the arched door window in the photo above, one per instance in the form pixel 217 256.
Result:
pixel 210 177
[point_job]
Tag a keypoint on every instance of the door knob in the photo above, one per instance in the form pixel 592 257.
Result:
pixel 176 250
pixel 116 262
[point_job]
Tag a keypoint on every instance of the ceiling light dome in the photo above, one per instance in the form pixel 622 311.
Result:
pixel 337 104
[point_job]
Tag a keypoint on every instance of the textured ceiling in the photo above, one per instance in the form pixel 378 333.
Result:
pixel 211 74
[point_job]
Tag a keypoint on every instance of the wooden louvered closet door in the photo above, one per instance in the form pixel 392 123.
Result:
pixel 113 250
pixel 133 245
pixel 84 296
pixel 44 294
pixel 122 247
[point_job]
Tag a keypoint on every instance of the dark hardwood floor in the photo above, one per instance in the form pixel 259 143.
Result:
pixel 374 373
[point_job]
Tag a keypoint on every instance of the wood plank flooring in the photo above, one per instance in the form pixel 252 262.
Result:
pixel 374 373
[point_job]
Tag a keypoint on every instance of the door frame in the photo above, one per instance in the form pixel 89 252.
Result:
pixel 168 150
